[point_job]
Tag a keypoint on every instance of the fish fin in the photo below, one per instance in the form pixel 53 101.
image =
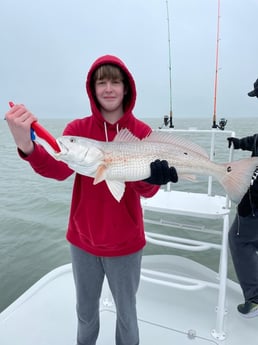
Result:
pixel 170 138
pixel 81 169
pixel 117 189
pixel 188 177
pixel 156 136
pixel 125 136
pixel 100 174
pixel 238 176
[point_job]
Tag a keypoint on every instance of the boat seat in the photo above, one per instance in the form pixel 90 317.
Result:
pixel 188 204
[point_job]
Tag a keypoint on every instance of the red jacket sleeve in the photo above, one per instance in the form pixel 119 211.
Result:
pixel 46 165
pixel 145 189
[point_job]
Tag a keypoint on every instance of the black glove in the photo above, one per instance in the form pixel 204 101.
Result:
pixel 235 141
pixel 161 173
pixel 254 92
pixel 244 208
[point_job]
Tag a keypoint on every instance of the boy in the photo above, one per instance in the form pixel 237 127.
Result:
pixel 106 237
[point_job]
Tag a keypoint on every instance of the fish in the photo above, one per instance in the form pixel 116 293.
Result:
pixel 128 158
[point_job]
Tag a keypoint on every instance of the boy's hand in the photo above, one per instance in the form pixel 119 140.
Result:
pixel 19 120
pixel 161 173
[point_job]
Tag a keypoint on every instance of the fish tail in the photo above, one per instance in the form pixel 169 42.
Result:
pixel 238 176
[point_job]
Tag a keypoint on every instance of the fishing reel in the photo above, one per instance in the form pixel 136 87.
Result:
pixel 167 122
pixel 166 118
pixel 221 125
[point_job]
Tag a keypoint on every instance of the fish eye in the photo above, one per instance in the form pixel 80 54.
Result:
pixel 72 140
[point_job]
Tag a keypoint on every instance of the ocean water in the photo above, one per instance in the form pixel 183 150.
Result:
pixel 34 211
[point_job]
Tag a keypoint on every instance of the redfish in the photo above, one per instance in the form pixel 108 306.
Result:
pixel 128 158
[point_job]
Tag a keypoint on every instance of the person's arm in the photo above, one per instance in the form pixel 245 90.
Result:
pixel 244 208
pixel 46 165
pixel 246 143
pixel 249 202
pixel 19 120
pixel 144 189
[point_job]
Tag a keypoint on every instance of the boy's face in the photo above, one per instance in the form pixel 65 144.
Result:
pixel 110 94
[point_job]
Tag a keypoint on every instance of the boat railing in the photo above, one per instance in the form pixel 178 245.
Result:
pixel 179 282
pixel 204 205
pixel 180 243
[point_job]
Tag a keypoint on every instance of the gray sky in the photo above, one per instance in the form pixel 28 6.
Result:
pixel 47 47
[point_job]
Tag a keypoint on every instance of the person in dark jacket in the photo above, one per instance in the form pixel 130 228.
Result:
pixel 106 237
pixel 243 234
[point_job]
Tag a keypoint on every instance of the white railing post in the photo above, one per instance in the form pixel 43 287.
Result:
pixel 218 332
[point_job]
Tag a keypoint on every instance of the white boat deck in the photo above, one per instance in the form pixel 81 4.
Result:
pixel 45 314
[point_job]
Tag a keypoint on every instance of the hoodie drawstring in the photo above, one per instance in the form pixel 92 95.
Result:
pixel 106 132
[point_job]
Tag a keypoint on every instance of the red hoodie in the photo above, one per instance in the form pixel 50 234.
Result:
pixel 98 223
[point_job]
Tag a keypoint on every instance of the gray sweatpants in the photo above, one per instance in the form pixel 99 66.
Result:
pixel 243 243
pixel 123 275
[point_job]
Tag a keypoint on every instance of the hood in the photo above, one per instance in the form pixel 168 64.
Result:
pixel 110 59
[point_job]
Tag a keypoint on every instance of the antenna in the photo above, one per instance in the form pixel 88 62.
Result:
pixel 170 71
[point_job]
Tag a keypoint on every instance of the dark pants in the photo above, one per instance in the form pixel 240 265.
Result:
pixel 243 243
pixel 123 275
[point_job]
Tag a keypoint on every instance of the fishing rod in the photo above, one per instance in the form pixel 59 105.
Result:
pixel 168 119
pixel 223 121
pixel 170 71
